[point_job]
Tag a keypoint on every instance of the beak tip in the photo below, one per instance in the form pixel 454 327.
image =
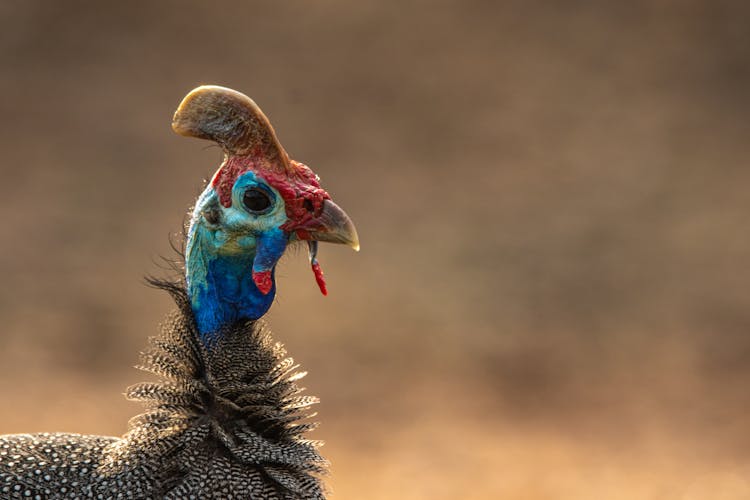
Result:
pixel 354 240
pixel 337 227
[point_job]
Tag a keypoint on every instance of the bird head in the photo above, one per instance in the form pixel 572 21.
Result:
pixel 258 201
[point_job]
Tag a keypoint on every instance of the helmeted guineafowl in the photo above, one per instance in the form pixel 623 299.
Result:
pixel 227 419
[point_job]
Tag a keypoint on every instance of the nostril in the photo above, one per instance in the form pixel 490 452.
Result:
pixel 308 205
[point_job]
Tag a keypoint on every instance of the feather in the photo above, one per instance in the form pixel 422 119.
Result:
pixel 228 419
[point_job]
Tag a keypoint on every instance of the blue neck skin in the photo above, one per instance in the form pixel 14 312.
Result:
pixel 219 259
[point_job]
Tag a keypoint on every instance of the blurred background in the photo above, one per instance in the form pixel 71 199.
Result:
pixel 553 296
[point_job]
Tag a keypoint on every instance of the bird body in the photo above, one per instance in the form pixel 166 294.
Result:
pixel 226 419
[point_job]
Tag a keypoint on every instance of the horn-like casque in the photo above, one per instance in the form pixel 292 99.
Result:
pixel 232 120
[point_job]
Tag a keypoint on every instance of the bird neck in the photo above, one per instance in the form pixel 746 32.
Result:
pixel 220 284
pixel 222 292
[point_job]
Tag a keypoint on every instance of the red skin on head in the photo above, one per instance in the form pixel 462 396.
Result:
pixel 319 278
pixel 263 281
pixel 299 187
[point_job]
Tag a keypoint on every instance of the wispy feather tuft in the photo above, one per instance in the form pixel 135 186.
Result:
pixel 236 402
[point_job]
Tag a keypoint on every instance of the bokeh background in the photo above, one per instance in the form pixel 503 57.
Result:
pixel 553 296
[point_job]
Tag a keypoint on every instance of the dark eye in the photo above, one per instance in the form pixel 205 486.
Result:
pixel 256 200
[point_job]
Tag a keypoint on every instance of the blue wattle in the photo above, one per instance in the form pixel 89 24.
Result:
pixel 228 296
pixel 221 286
pixel 270 246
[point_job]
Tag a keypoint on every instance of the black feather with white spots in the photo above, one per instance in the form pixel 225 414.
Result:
pixel 225 422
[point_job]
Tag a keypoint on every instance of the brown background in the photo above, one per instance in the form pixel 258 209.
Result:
pixel 553 296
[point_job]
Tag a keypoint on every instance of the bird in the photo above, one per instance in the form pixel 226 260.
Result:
pixel 226 417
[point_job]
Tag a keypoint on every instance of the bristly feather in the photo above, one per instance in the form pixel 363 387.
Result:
pixel 239 398
pixel 225 422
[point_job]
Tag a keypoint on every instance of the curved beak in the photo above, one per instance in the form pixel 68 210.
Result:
pixel 334 226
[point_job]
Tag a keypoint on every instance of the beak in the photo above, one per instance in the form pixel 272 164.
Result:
pixel 334 226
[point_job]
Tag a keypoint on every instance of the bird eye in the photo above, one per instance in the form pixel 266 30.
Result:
pixel 256 200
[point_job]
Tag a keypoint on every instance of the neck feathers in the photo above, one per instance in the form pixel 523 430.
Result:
pixel 234 407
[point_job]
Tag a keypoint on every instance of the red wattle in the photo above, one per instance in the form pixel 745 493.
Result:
pixel 263 281
pixel 319 278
